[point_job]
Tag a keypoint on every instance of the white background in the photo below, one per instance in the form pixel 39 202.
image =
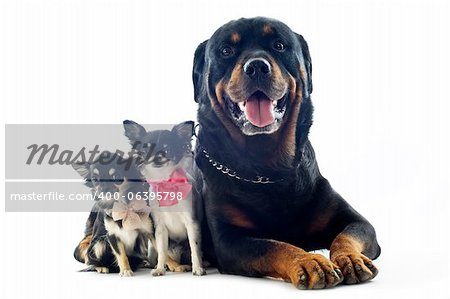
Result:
pixel 381 132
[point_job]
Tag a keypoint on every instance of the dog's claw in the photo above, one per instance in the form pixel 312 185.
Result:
pixel 303 278
pixel 339 275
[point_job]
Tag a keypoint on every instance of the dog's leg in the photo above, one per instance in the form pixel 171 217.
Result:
pixel 353 249
pixel 243 255
pixel 238 252
pixel 162 246
pixel 193 232
pixel 81 251
pixel 95 255
pixel 349 236
pixel 174 266
pixel 174 259
pixel 152 254
pixel 120 255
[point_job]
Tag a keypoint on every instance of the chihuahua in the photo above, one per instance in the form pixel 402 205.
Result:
pixel 167 166
pixel 119 228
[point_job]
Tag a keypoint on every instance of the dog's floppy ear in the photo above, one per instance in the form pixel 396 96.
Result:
pixel 198 69
pixel 133 130
pixel 184 130
pixel 82 168
pixel 307 62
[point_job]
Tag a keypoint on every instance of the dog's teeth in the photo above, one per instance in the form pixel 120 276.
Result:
pixel 242 105
pixel 274 103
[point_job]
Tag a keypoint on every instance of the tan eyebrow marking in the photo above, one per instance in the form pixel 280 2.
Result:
pixel 267 29
pixel 235 37
pixel 95 171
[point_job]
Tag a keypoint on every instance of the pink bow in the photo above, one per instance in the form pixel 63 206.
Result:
pixel 132 215
pixel 177 185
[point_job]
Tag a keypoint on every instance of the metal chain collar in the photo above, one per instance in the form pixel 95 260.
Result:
pixel 231 173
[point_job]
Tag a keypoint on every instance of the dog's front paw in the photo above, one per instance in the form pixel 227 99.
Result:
pixel 355 266
pixel 102 270
pixel 158 271
pixel 179 268
pixel 198 271
pixel 126 273
pixel 314 271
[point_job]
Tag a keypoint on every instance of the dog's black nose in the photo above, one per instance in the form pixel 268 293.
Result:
pixel 257 67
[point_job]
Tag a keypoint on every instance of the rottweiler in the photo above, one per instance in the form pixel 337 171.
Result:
pixel 265 202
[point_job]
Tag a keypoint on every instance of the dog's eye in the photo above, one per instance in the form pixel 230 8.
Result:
pixel 159 160
pixel 226 51
pixel 279 46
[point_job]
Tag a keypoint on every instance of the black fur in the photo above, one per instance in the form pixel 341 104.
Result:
pixel 286 210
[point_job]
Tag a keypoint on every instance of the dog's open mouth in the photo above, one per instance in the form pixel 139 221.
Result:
pixel 258 111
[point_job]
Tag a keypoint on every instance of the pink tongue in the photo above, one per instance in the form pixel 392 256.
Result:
pixel 259 111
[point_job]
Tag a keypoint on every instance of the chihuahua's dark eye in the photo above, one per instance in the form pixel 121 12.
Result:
pixel 279 46
pixel 226 51
pixel 160 160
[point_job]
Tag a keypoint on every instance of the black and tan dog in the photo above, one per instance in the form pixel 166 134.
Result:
pixel 265 201
pixel 118 229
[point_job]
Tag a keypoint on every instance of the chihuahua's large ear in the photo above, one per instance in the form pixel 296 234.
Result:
pixel 184 130
pixel 307 63
pixel 133 130
pixel 82 168
pixel 199 69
